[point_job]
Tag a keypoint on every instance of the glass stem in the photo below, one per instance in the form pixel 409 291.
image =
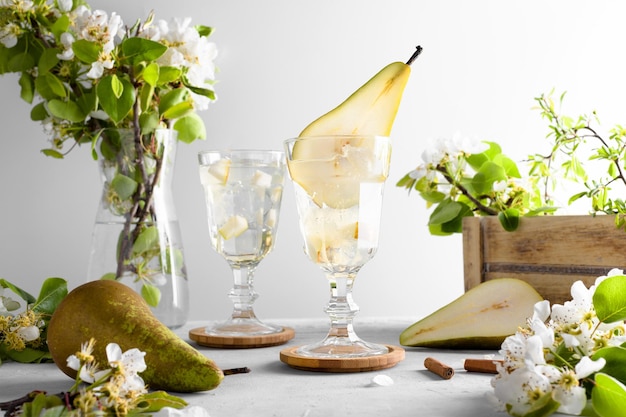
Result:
pixel 341 308
pixel 242 294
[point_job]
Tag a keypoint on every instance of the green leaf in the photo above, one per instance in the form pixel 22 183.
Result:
pixel 478 159
pixel 446 211
pixel 509 219
pixel 26 355
pixel 146 93
pixel 510 167
pixel 116 107
pixel 56 411
pixel 172 98
pixel 21 62
pixel 88 102
pixel 190 128
pixel 154 401
pixel 27 84
pixel 609 299
pixel 86 51
pixel 456 225
pixel 168 75
pixel 116 86
pixel 67 110
pixel 615 357
pixel 174 261
pixel 178 110
pixel 52 153
pixel 204 30
pixel 488 173
pixel 201 91
pixel 53 291
pixel 39 113
pixel 148 121
pixel 433 197
pixel 577 196
pixel 60 25
pixel 147 240
pixel 17 290
pixel 50 87
pixel 608 396
pixel 140 49
pixel 124 186
pixel 151 74
pixel 47 60
pixel 151 294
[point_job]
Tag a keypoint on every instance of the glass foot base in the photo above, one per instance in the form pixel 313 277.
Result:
pixel 242 327
pixel 342 348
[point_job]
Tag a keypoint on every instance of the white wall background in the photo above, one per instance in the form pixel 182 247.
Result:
pixel 282 64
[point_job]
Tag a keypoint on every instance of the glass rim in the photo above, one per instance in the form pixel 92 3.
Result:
pixel 241 151
pixel 340 136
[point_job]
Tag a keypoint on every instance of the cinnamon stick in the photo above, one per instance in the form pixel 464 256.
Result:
pixel 485 366
pixel 438 368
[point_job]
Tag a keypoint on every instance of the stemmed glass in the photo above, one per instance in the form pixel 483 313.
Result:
pixel 243 190
pixel 339 183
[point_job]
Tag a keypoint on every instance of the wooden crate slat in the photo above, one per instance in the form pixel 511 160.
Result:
pixel 549 252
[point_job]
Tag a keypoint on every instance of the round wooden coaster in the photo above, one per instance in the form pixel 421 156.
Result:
pixel 370 363
pixel 200 336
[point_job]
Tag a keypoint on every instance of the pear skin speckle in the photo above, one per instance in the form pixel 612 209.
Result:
pixel 112 312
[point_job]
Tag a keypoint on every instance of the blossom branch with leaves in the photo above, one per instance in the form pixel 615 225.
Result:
pixel 117 390
pixel 461 177
pixel 90 77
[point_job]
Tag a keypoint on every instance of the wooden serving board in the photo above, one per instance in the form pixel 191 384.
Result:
pixel 200 336
pixel 370 363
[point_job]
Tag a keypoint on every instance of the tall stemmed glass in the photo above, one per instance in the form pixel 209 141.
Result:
pixel 338 183
pixel 243 190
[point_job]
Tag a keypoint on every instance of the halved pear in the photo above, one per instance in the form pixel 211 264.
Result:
pixel 481 318
pixel 369 111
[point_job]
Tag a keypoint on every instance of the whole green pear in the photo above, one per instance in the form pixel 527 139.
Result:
pixel 111 312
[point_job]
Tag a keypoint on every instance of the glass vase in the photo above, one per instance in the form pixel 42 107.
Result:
pixel 136 239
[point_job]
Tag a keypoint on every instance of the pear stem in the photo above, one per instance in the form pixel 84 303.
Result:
pixel 233 371
pixel 418 51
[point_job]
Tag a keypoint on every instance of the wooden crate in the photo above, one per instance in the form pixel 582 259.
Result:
pixel 549 252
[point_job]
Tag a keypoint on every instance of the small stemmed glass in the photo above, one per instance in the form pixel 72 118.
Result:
pixel 339 183
pixel 243 191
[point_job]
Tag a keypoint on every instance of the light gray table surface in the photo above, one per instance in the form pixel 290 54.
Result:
pixel 274 389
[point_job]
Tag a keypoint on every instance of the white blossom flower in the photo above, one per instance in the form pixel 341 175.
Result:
pixel 418 173
pixel 98 67
pixel 520 388
pixel 67 39
pixel 73 362
pixel 186 48
pixel 499 186
pixel 29 333
pixel 132 360
pixel 9 34
pixel 90 373
pixel 65 5
pixel 128 364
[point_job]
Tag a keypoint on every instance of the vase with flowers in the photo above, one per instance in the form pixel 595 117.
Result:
pixel 130 93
